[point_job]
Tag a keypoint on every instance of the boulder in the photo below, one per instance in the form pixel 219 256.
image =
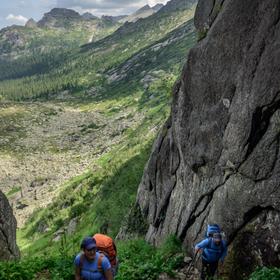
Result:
pixel 8 224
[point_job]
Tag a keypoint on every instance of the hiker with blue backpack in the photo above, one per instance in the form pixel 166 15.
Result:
pixel 91 264
pixel 213 249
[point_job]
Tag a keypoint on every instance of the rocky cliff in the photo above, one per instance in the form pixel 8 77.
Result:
pixel 8 247
pixel 217 158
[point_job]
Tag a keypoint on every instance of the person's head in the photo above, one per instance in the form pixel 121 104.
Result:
pixel 217 238
pixel 88 245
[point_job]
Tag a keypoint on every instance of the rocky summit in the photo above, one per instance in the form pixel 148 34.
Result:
pixel 217 157
pixel 58 17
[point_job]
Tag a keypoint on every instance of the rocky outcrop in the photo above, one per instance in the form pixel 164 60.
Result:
pixel 8 247
pixel 217 158
pixel 31 23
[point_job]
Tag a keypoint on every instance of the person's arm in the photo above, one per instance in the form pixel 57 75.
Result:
pixel 201 245
pixel 78 273
pixel 106 266
pixel 108 274
pixel 77 264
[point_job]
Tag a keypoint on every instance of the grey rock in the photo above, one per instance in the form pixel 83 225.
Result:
pixel 42 226
pixel 217 157
pixel 31 23
pixel 8 224
pixel 187 259
pixel 58 234
pixel 20 205
pixel 72 226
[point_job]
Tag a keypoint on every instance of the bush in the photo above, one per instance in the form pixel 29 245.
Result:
pixel 264 273
pixel 78 209
pixel 28 269
pixel 138 260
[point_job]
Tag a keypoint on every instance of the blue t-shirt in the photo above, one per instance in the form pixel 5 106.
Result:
pixel 212 252
pixel 89 271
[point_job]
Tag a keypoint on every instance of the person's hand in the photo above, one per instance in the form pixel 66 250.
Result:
pixel 198 250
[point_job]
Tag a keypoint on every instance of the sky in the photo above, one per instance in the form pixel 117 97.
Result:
pixel 19 11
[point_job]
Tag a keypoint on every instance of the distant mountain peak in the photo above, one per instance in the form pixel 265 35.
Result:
pixel 31 23
pixel 59 17
pixel 175 5
pixel 63 12
pixel 88 16
pixel 145 8
pixel 113 18
pixel 143 12
pixel 157 7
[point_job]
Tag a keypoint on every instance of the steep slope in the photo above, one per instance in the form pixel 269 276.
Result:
pixel 38 138
pixel 217 158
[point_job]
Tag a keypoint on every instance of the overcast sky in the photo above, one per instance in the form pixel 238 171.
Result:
pixel 19 11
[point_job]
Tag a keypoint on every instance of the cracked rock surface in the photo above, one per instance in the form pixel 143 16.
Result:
pixel 217 157
pixel 8 247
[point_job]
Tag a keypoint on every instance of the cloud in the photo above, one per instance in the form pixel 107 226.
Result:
pixel 106 4
pixel 109 7
pixel 20 19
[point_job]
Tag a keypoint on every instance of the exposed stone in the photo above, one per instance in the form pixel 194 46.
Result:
pixel 72 226
pixel 217 158
pixel 58 235
pixel 8 247
pixel 31 23
pixel 20 205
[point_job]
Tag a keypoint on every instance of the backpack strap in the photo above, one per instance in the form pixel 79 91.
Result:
pixel 209 244
pixel 99 263
pixel 82 259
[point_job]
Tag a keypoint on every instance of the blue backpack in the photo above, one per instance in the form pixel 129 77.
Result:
pixel 214 232
pixel 211 229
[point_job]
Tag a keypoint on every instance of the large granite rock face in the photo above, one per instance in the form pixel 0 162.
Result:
pixel 8 247
pixel 217 158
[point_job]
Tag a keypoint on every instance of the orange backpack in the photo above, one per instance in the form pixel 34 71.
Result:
pixel 106 245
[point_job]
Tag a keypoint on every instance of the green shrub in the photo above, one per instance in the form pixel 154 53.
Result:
pixel 139 260
pixel 78 209
pixel 201 34
pixel 264 273
pixel 13 190
pixel 60 267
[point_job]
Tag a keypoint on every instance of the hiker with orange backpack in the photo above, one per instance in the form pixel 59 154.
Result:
pixel 91 264
pixel 106 245
pixel 213 249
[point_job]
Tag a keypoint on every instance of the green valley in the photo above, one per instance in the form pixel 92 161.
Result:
pixel 77 125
